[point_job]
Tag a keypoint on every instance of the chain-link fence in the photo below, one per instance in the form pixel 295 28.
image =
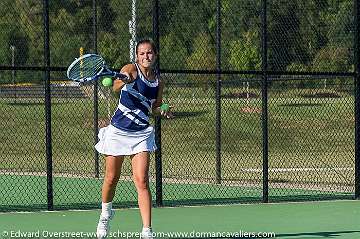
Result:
pixel 264 95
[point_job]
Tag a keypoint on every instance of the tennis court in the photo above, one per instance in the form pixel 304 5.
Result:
pixel 28 192
pixel 327 219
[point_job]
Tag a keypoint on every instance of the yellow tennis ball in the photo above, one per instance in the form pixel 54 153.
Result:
pixel 107 81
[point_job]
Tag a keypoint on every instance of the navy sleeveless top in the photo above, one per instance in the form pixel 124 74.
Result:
pixel 136 99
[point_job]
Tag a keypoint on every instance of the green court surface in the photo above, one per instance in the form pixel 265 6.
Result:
pixel 326 219
pixel 27 193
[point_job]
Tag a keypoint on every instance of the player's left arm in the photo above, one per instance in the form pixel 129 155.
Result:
pixel 159 108
pixel 156 105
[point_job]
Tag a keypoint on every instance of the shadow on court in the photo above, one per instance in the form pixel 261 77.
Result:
pixel 31 103
pixel 300 235
pixel 301 105
pixel 187 114
pixel 303 235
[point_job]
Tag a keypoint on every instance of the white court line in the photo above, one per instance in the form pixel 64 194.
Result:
pixel 6 172
pixel 188 206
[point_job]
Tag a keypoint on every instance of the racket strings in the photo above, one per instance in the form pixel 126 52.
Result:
pixel 86 67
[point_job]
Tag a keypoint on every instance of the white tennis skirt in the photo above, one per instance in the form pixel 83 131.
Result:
pixel 115 142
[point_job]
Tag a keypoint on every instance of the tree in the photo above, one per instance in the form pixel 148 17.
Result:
pixel 340 29
pixel 31 23
pixel 202 58
pixel 173 52
pixel 244 54
pixel 118 38
pixel 188 19
pixel 116 54
pixel 11 35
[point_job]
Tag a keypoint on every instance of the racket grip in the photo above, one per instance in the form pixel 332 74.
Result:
pixel 123 77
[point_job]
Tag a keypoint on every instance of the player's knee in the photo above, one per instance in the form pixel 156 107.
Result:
pixel 111 179
pixel 142 183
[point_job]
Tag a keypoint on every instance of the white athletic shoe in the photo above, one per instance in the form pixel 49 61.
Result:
pixel 103 226
pixel 147 233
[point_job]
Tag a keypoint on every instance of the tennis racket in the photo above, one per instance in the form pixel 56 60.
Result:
pixel 90 67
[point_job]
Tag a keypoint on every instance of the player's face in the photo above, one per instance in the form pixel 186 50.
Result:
pixel 145 55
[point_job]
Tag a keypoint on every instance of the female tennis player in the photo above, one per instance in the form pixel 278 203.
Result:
pixel 130 133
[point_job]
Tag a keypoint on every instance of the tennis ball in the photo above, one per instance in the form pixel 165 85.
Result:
pixel 107 81
pixel 164 107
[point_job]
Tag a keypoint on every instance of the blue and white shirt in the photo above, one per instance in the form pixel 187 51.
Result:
pixel 135 103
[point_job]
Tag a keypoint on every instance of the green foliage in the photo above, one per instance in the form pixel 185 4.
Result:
pixel 340 23
pixel 5 52
pixel 186 19
pixel 302 35
pixel 31 23
pixel 239 18
pixel 12 39
pixel 297 67
pixel 331 58
pixel 116 54
pixel 20 42
pixel 286 43
pixel 203 56
pixel 173 52
pixel 244 54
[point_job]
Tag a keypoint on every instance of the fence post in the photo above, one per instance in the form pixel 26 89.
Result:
pixel 49 168
pixel 265 104
pixel 158 156
pixel 95 92
pixel 357 98
pixel 218 92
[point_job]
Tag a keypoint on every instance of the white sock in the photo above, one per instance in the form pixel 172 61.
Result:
pixel 146 230
pixel 106 209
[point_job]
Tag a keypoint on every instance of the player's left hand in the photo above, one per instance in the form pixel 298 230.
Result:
pixel 166 112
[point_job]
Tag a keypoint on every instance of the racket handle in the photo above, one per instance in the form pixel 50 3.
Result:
pixel 123 77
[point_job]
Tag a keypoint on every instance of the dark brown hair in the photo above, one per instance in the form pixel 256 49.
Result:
pixel 146 40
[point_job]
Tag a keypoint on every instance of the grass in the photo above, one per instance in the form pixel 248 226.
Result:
pixel 300 135
pixel 303 133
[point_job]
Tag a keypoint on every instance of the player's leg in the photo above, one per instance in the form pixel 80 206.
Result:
pixel 140 166
pixel 113 166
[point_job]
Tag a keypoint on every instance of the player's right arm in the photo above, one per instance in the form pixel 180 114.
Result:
pixel 130 71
